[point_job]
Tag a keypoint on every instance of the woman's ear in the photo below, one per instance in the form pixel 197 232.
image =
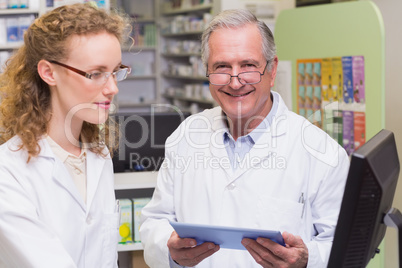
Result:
pixel 46 72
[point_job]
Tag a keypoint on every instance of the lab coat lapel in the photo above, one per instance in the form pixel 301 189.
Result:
pixel 217 146
pixel 95 165
pixel 59 173
pixel 61 176
pixel 266 146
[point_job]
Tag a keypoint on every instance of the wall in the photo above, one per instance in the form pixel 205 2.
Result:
pixel 390 10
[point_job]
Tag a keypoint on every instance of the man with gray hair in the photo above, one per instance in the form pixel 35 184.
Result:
pixel 249 163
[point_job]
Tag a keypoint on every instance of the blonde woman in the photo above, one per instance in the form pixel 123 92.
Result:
pixel 57 203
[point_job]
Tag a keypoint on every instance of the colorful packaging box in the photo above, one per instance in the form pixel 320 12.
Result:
pixel 301 90
pixel 326 77
pixel 359 119
pixel 301 98
pixel 358 79
pixel 138 204
pixel 308 74
pixel 337 80
pixel 317 95
pixel 317 72
pixel 328 122
pixel 317 118
pixel 126 221
pixel 347 79
pixel 317 98
pixel 338 126
pixel 310 115
pixel 300 73
pixel 12 29
pixel 309 97
pixel 348 131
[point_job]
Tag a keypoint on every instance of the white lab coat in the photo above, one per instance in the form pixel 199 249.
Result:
pixel 43 219
pixel 196 184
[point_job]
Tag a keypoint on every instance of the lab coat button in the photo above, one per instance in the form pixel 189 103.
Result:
pixel 231 186
pixel 89 220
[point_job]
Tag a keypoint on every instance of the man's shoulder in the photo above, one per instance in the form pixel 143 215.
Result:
pixel 205 118
pixel 197 127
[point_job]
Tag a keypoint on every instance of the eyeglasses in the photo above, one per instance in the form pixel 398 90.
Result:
pixel 100 77
pixel 245 78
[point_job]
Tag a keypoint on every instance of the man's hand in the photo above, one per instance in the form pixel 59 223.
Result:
pixel 185 252
pixel 267 253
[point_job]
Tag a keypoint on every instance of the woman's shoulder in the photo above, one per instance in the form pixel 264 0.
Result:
pixel 12 153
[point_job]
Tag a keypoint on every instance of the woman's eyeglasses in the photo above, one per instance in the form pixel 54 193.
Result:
pixel 100 77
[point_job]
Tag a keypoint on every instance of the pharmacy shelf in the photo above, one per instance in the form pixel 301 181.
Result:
pixel 132 181
pixel 10 46
pixel 129 247
pixel 189 99
pixel 143 20
pixel 17 11
pixel 182 34
pixel 136 105
pixel 136 49
pixel 135 180
pixel 197 78
pixel 196 8
pixel 141 77
pixel 177 55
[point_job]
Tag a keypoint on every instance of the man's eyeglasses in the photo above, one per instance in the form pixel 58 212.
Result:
pixel 245 78
pixel 100 77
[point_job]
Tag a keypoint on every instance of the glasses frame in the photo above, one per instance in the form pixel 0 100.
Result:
pixel 230 79
pixel 89 76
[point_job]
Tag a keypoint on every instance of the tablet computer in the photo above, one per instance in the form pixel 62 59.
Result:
pixel 225 237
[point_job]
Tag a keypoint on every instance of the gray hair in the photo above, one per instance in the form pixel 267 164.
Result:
pixel 236 18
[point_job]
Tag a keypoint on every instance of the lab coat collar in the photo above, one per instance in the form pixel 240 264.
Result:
pixel 264 146
pixel 95 165
pixel 60 173
pixel 277 128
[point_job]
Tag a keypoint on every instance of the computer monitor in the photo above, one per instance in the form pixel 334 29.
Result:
pixel 142 139
pixel 368 197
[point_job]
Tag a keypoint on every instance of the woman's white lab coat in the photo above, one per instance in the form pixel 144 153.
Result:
pixel 292 180
pixel 43 219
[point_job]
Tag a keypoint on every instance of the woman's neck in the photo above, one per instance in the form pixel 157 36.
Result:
pixel 68 137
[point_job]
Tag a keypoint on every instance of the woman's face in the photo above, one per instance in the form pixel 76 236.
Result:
pixel 75 98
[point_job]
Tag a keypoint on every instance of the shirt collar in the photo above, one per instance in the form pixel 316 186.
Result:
pixel 62 154
pixel 254 135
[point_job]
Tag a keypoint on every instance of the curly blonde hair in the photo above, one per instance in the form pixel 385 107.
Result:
pixel 25 108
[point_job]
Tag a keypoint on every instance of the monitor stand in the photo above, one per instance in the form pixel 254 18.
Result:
pixel 394 219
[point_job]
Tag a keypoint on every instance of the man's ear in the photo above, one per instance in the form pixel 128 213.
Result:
pixel 46 72
pixel 273 70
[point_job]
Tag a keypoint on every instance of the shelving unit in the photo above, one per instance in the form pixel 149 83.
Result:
pixel 7 47
pixel 130 247
pixel 344 42
pixel 183 74
pixel 184 10
pixel 141 89
pixel 135 180
pixel 129 183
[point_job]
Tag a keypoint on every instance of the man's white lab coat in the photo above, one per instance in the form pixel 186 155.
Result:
pixel 44 221
pixel 292 180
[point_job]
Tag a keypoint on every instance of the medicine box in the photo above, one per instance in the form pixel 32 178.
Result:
pixel 138 204
pixel 126 221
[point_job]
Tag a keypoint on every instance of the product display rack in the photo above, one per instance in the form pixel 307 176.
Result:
pixel 6 47
pixel 341 35
pixel 184 83
pixel 141 89
pixel 132 181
